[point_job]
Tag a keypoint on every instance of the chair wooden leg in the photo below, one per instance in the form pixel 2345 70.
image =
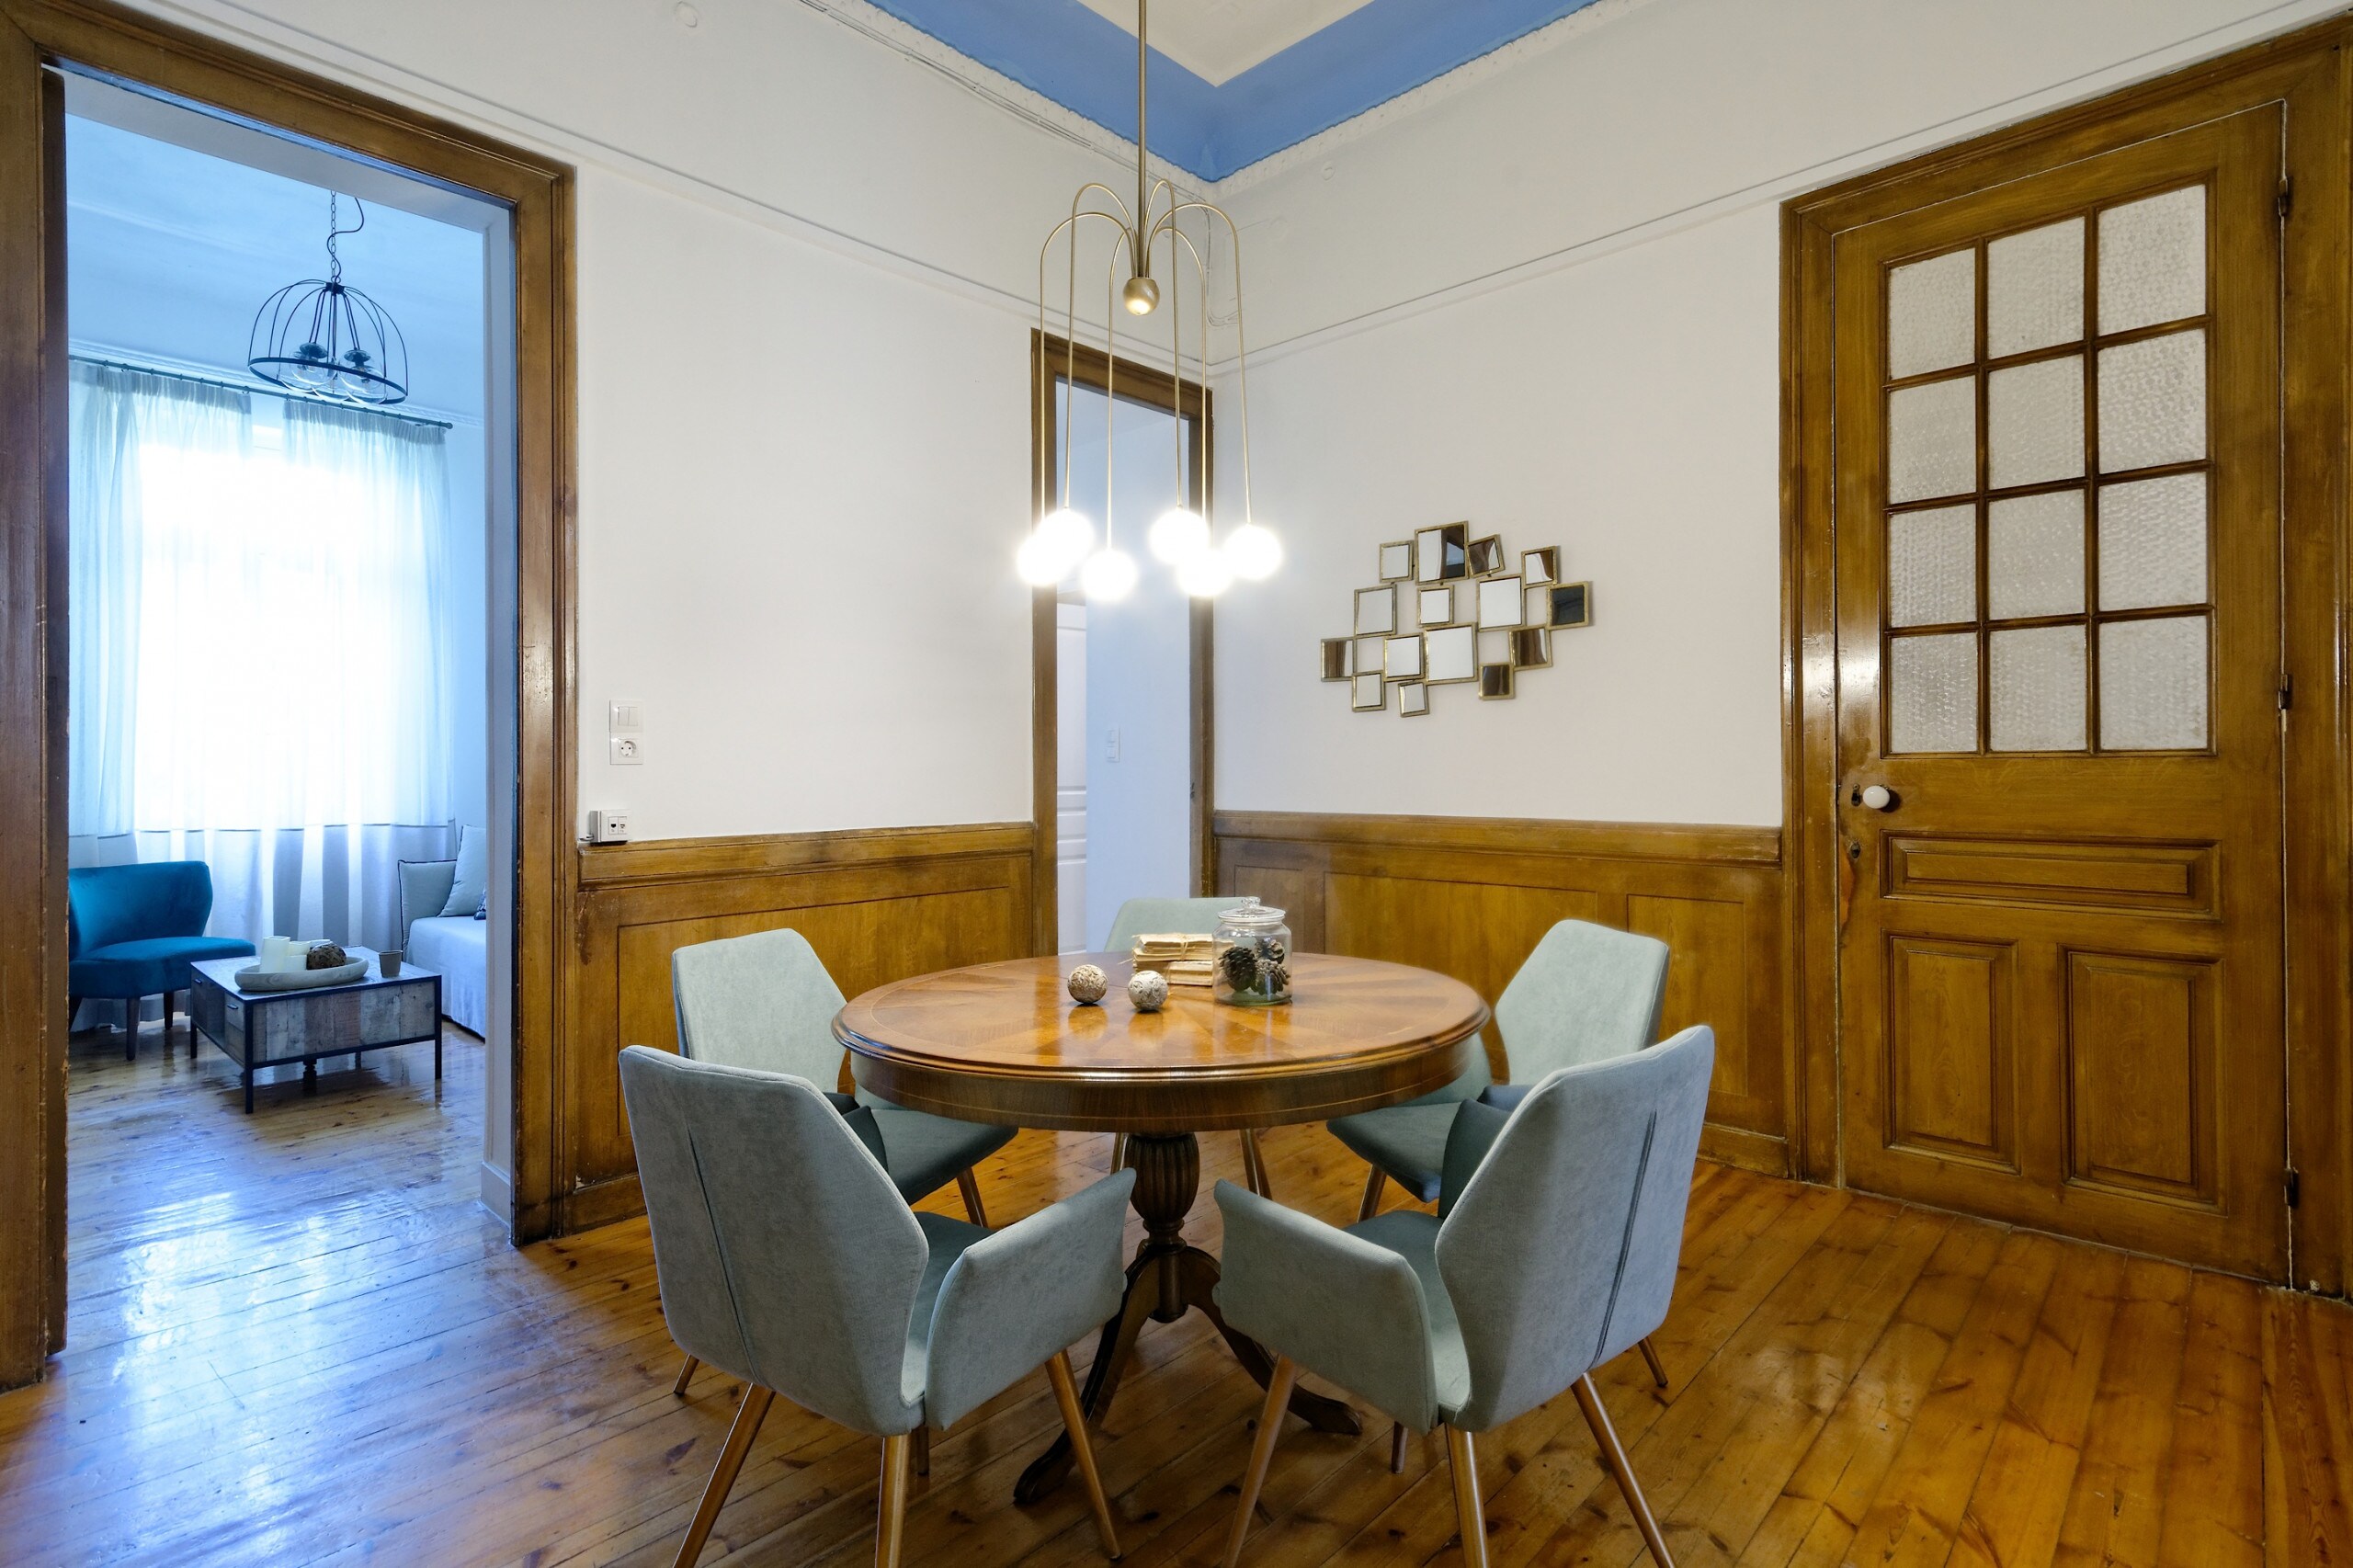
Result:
pixel 1462 1457
pixel 686 1376
pixel 1372 1204
pixel 1253 1164
pixel 891 1511
pixel 1613 1455
pixel 1261 1453
pixel 1081 1449
pixel 1650 1355
pixel 968 1184
pixel 1397 1448
pixel 187 1017
pixel 748 1417
pixel 919 1451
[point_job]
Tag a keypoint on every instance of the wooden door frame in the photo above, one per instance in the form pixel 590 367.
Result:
pixel 96 36
pixel 2306 70
pixel 1053 357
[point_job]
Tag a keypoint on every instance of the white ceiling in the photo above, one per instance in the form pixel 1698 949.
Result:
pixel 170 250
pixel 1216 39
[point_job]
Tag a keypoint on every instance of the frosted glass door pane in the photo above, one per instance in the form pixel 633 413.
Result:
pixel 2152 684
pixel 1932 693
pixel 2034 548
pixel 2152 402
pixel 2153 542
pixel 1932 441
pixel 2034 422
pixel 1932 566
pixel 2153 260
pixel 2037 696
pixel 1932 314
pixel 2034 289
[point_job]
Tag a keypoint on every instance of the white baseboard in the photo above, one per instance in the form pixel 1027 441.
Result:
pixel 498 1193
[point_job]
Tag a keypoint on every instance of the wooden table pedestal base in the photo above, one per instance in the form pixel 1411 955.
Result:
pixel 1168 1280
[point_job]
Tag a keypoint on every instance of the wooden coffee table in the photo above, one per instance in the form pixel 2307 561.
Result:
pixel 1003 1043
pixel 278 1029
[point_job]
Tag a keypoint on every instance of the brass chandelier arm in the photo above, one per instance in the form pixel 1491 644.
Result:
pixel 1069 316
pixel 1241 340
pixel 1177 369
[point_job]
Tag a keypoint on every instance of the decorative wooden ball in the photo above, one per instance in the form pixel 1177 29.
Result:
pixel 326 955
pixel 1148 990
pixel 1088 985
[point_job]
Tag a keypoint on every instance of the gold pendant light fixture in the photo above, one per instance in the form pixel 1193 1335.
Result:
pixel 1063 540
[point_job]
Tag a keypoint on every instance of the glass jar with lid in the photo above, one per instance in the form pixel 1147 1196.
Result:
pixel 1252 956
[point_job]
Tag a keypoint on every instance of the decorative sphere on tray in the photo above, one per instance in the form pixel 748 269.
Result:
pixel 1148 990
pixel 326 955
pixel 1088 985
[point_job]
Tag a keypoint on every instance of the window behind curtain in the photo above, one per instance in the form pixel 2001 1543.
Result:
pixel 256 662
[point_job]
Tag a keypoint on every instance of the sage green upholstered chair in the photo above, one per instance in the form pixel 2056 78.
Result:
pixel 1555 1250
pixel 787 1257
pixel 1139 916
pixel 765 1001
pixel 1586 994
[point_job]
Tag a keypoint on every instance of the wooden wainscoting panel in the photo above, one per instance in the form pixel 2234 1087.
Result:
pixel 1471 897
pixel 877 906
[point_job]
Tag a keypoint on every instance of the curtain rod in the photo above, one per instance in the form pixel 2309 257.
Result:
pixel 248 387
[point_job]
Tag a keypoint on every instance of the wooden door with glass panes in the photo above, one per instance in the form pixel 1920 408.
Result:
pixel 2059 685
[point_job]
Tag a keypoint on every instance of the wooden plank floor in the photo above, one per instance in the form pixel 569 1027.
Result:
pixel 297 1338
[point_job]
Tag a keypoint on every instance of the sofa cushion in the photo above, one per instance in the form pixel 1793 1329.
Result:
pixel 473 873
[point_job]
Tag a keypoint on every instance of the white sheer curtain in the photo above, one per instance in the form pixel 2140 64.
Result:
pixel 255 663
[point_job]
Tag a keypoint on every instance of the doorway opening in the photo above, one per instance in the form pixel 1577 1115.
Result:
pixel 1124 687
pixel 290 709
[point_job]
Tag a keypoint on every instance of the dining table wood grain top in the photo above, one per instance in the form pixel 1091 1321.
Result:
pixel 1004 1042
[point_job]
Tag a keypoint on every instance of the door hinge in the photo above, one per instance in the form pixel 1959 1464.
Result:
pixel 2287 198
pixel 2295 1188
pixel 2286 692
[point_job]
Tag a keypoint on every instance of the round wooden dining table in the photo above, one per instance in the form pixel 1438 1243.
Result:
pixel 1003 1043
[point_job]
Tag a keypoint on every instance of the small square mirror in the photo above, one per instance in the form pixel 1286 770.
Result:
pixel 1397 560
pixel 1442 554
pixel 1540 567
pixel 1438 605
pixel 1486 555
pixel 1364 655
pixel 1413 699
pixel 1501 603
pixel 1495 681
pixel 1451 653
pixel 1402 658
pixel 1571 604
pixel 1371 694
pixel 1376 611
pixel 1337 663
pixel 1531 648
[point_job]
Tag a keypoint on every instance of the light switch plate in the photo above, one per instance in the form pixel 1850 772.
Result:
pixel 608 827
pixel 625 716
pixel 626 751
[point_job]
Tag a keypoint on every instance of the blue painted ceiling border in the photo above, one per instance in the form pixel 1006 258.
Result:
pixel 1063 50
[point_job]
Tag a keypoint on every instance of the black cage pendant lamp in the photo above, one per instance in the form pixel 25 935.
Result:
pixel 322 338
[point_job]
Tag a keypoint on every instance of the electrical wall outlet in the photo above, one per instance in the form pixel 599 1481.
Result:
pixel 626 751
pixel 608 827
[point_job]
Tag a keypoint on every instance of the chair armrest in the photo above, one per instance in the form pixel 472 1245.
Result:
pixel 1018 1295
pixel 1337 1304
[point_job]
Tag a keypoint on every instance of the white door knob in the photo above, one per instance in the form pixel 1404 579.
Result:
pixel 1878 797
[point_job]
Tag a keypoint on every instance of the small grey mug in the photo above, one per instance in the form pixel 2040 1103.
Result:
pixel 388 962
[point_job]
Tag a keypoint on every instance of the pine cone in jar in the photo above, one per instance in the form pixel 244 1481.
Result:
pixel 326 955
pixel 1240 965
pixel 1274 979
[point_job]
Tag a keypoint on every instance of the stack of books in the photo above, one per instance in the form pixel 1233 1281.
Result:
pixel 1182 957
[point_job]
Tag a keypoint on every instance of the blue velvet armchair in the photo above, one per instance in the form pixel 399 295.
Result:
pixel 133 931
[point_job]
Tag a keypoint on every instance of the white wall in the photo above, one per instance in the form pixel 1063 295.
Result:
pixel 1547 302
pixel 805 268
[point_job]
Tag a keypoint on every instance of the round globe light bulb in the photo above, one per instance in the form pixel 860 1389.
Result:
pixel 1205 576
pixel 1040 566
pixel 1109 576
pixel 1178 536
pixel 1253 552
pixel 1141 295
pixel 1069 535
